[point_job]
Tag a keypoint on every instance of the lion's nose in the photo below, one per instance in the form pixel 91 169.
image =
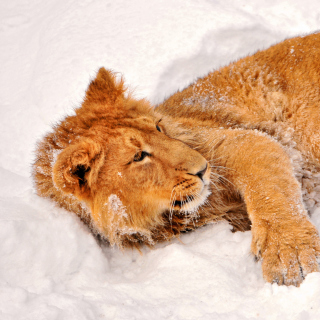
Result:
pixel 201 173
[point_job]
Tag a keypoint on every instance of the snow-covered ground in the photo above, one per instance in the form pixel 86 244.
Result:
pixel 50 265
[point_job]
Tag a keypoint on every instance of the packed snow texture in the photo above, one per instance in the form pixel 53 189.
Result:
pixel 51 267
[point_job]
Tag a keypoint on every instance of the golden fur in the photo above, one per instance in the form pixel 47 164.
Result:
pixel 235 145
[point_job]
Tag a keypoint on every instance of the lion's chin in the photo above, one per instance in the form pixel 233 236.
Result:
pixel 194 202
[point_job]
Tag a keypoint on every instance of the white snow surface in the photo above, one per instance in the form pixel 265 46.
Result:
pixel 51 267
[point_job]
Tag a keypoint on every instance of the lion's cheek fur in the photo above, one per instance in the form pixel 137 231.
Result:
pixel 118 222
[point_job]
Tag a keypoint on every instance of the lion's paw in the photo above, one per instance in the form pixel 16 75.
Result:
pixel 288 254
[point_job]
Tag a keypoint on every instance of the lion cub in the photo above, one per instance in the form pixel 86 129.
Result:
pixel 237 144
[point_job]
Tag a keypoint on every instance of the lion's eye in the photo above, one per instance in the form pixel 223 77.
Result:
pixel 140 156
pixel 157 126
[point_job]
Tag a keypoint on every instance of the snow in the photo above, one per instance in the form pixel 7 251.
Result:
pixel 51 267
pixel 116 206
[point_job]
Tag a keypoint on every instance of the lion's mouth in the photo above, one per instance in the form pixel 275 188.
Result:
pixel 177 204
pixel 181 203
pixel 191 203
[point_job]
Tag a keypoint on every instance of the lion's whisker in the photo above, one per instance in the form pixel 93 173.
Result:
pixel 221 178
pixel 173 197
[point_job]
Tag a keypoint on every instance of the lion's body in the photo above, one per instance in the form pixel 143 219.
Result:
pixel 276 91
pixel 135 180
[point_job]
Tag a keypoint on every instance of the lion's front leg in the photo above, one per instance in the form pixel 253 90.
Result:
pixel 283 236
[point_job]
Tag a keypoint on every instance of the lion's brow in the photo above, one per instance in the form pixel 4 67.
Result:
pixel 135 142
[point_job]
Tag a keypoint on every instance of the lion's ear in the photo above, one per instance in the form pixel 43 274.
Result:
pixel 104 88
pixel 77 167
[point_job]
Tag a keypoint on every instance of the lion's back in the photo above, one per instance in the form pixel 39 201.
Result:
pixel 267 86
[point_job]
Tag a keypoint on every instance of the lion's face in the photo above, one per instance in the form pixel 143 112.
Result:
pixel 129 172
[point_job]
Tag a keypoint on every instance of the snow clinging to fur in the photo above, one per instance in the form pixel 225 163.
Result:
pixel 116 206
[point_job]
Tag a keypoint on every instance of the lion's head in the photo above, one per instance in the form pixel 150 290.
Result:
pixel 118 159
